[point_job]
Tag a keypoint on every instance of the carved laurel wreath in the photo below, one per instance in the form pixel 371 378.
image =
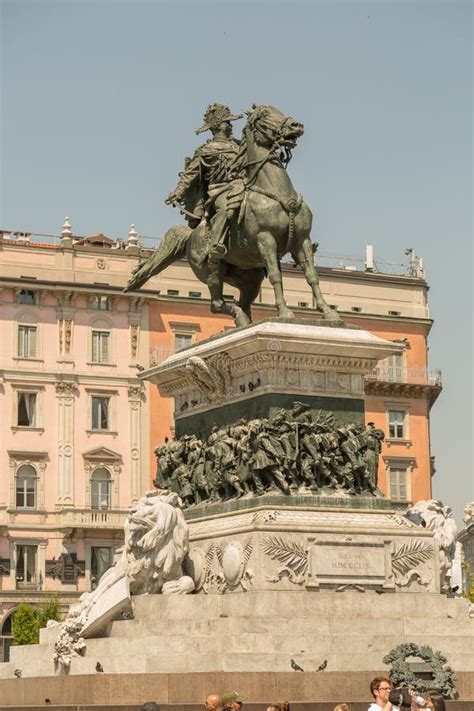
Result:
pixel 401 673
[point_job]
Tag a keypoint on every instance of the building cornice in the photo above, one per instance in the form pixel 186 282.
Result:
pixel 417 391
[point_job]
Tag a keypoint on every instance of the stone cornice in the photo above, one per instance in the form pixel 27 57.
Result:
pixel 416 391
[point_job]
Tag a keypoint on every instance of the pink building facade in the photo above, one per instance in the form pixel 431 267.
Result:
pixel 75 426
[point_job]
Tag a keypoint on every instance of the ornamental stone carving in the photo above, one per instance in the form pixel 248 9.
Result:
pixel 65 388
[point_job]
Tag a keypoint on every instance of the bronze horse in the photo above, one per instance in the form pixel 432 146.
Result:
pixel 273 220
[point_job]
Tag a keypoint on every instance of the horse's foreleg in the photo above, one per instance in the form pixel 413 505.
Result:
pixel 215 282
pixel 304 257
pixel 268 251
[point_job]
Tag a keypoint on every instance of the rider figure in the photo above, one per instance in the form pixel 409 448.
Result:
pixel 204 183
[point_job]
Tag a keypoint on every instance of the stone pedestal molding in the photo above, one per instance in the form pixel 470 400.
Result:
pixel 268 364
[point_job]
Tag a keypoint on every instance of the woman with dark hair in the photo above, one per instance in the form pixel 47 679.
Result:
pixel 435 701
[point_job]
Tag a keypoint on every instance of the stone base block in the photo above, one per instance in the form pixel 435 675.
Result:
pixel 310 548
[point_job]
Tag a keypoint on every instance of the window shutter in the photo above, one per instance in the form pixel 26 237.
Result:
pixel 32 342
pixel 95 343
pixel 398 484
pixel 105 348
pixel 21 341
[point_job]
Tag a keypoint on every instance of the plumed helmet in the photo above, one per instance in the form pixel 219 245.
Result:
pixel 215 114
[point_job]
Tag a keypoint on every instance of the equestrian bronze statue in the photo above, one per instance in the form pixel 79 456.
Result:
pixel 243 214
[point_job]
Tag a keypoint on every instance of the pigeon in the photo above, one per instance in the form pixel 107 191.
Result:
pixel 127 616
pixel 322 666
pixel 17 673
pixel 47 701
pixel 295 666
pixel 379 591
pixel 139 367
pixel 99 667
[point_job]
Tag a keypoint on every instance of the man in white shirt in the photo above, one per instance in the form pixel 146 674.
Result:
pixel 380 688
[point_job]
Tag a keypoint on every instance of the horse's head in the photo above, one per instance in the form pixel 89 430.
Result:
pixel 271 129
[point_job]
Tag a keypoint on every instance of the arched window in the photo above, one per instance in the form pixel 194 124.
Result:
pixel 6 636
pixel 26 487
pixel 101 488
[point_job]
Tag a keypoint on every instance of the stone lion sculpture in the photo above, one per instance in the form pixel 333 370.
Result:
pixel 440 519
pixel 156 542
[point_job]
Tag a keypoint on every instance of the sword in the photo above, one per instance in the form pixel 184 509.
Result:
pixel 183 211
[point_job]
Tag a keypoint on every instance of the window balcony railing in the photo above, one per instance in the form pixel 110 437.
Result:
pixel 34 583
pixel 158 354
pixel 94 518
pixel 410 376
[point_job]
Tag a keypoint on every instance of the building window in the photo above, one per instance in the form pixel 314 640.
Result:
pixel 26 409
pixel 172 292
pixel 396 424
pixel 182 340
pixel 396 368
pixel 101 560
pixel 356 309
pixel 101 488
pixel 101 303
pixel 100 346
pixel 6 639
pixel 100 412
pixel 26 564
pixel 303 304
pixel 195 294
pixel 26 296
pixel 27 341
pixel 26 487
pixel 398 484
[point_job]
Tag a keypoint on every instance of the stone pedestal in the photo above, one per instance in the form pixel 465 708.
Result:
pixel 253 371
pixel 313 545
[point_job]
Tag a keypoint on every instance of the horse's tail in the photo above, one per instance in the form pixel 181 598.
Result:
pixel 171 248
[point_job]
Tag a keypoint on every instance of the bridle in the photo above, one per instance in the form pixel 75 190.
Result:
pixel 272 132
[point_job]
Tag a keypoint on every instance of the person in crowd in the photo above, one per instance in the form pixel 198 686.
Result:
pixel 380 688
pixel 212 702
pixel 231 701
pixel 149 706
pixel 434 701
pixel 342 707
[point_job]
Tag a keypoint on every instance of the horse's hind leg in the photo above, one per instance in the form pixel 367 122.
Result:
pixel 304 256
pixel 268 251
pixel 215 281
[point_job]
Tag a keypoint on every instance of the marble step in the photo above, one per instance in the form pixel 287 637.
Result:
pixel 354 626
pixel 289 604
pixel 221 645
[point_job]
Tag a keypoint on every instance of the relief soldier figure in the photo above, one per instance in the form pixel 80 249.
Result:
pixel 295 450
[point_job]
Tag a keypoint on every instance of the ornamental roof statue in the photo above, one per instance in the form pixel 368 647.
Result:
pixel 214 115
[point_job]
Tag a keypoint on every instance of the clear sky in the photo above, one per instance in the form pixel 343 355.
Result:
pixel 100 101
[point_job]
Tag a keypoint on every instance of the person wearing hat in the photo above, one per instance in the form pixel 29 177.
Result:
pixel 231 700
pixel 204 184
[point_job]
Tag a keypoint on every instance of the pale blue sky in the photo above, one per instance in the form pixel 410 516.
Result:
pixel 100 101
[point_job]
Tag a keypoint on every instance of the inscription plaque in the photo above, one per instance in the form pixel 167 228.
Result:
pixel 356 562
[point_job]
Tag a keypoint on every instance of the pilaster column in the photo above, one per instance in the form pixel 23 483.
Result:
pixel 135 396
pixel 65 482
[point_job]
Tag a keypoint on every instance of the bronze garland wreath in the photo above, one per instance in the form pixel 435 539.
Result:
pixel 402 675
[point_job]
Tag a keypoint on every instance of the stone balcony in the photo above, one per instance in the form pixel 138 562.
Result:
pixel 91 518
pixel 404 382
